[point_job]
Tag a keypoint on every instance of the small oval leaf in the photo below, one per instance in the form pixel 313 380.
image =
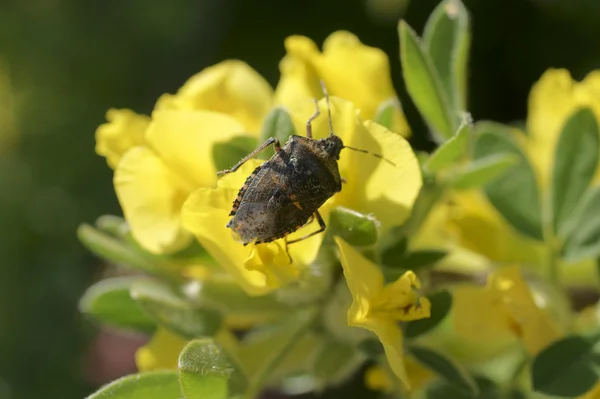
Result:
pixel 172 311
pixel 278 124
pixel 483 171
pixel 515 193
pixel 148 385
pixel 446 368
pixel 228 153
pixel 450 151
pixel 569 367
pixel 424 86
pixel 109 302
pixel 583 241
pixel 354 227
pixel 574 164
pixel 441 303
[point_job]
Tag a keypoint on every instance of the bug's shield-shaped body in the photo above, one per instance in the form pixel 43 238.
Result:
pixel 284 192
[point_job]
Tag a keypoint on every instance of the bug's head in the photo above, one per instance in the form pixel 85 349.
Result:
pixel 332 146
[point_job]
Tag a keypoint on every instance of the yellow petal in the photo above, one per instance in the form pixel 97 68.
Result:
pixel 151 198
pixel 124 130
pixel 231 87
pixel 299 79
pixel 551 101
pixel 479 315
pixel 273 261
pixel 536 328
pixel 400 300
pixel 377 379
pixel 364 279
pixel 390 335
pixel 359 73
pixel 161 352
pixel 184 140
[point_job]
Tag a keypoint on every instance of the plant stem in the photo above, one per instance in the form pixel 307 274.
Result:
pixel 259 379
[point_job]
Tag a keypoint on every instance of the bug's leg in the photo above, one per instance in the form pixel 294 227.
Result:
pixel 344 180
pixel 272 140
pixel 321 229
pixel 312 118
pixel 287 251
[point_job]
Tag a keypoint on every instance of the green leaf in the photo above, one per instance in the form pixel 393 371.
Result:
pixel 335 361
pixel 515 193
pixel 446 39
pixel 455 147
pixel 583 241
pixel 109 302
pixel 226 154
pixel 385 113
pixel 483 171
pixel 148 385
pixel 354 227
pixel 574 164
pixel 422 258
pixel 446 368
pixel 424 86
pixel 441 389
pixel 174 312
pixel 206 371
pixel 277 124
pixel 441 303
pixel 569 367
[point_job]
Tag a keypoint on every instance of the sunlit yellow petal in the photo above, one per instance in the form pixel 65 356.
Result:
pixel 536 328
pixel 151 198
pixel 124 130
pixel 274 262
pixel 479 315
pixel 231 87
pixel 377 379
pixel 161 352
pixel 364 279
pixel 551 101
pixel 299 79
pixel 184 140
pixel 358 73
pixel 390 335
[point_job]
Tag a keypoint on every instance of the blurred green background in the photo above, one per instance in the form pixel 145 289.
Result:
pixel 63 63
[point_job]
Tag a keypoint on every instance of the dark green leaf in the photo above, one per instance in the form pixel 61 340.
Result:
pixel 277 124
pixel 422 258
pixel 371 347
pixel 393 246
pixel 172 311
pixel 385 113
pixel 335 361
pixel 583 241
pixel 446 368
pixel 228 153
pixel 446 39
pixel 454 148
pixel 355 228
pixel 443 390
pixel 424 86
pixel 574 164
pixel 441 303
pixel 206 371
pixel 569 367
pixel 109 302
pixel 148 385
pixel 515 193
pixel 112 249
pixel 483 171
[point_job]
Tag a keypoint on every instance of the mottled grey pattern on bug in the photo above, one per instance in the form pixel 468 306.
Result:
pixel 285 192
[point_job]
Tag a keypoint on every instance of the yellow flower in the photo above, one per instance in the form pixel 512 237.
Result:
pixel 379 307
pixel 350 70
pixel 160 160
pixel 504 306
pixel 261 268
pixel 378 380
pixel 161 352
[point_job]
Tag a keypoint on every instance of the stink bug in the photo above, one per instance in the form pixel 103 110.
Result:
pixel 285 192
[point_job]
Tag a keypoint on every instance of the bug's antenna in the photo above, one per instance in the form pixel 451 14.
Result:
pixel 371 153
pixel 326 94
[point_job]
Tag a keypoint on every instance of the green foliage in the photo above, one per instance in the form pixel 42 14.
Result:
pixel 173 311
pixel 584 239
pixel 569 367
pixel 354 227
pixel 450 151
pixel 482 171
pixel 277 124
pixel 574 164
pixel 148 385
pixel 228 153
pixel 385 112
pixel 515 193
pixel 109 302
pixel 441 303
pixel 446 368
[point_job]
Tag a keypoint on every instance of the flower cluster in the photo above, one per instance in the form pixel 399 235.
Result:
pixel 434 268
